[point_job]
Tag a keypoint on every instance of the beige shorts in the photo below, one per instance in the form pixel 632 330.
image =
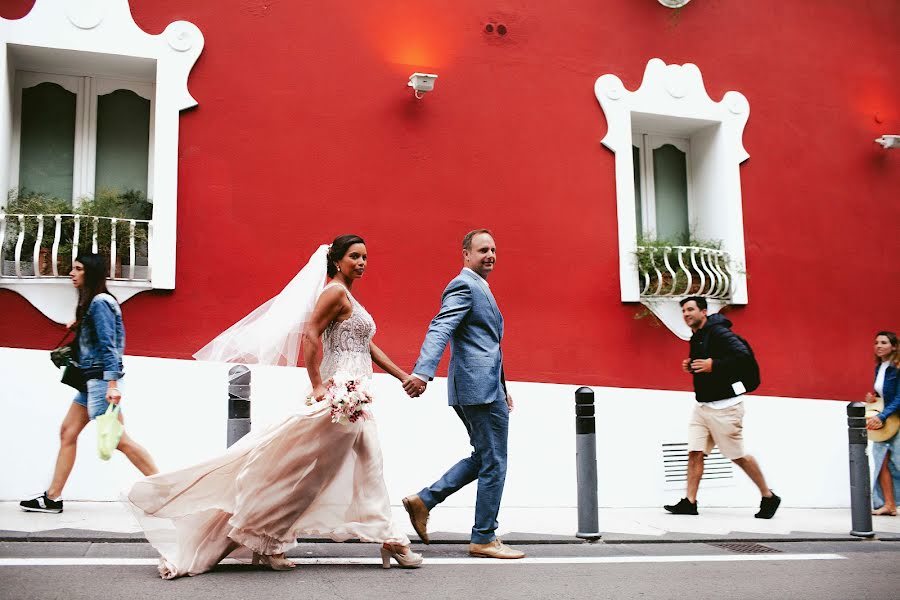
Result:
pixel 717 427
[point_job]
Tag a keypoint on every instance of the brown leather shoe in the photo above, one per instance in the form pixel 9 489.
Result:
pixel 418 515
pixel 495 549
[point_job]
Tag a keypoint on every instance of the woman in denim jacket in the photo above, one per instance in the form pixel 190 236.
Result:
pixel 101 344
pixel 887 459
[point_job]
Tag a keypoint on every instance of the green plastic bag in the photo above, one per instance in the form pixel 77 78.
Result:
pixel 109 431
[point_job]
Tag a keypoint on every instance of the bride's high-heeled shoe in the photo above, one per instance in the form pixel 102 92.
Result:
pixel 276 563
pixel 407 559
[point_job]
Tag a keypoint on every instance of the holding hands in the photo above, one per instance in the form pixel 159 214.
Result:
pixel 414 386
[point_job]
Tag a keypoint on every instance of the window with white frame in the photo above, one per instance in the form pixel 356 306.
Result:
pixel 662 187
pixel 90 102
pixel 74 136
pixel 678 189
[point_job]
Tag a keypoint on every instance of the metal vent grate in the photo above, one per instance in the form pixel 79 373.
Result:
pixel 745 547
pixel 716 468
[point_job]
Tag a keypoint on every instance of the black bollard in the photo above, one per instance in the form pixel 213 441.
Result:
pixel 586 465
pixel 238 403
pixel 860 485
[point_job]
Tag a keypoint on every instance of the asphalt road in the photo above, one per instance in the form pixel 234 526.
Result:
pixel 799 570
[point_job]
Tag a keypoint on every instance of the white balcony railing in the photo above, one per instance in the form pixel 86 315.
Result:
pixel 44 246
pixel 678 271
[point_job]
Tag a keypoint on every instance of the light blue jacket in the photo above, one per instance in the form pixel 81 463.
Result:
pixel 101 339
pixel 471 322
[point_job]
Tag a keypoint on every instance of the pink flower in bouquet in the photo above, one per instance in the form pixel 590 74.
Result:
pixel 347 397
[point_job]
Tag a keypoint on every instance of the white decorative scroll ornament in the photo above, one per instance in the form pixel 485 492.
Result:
pixel 181 35
pixel 86 14
pixel 97 39
pixel 672 100
pixel 271 334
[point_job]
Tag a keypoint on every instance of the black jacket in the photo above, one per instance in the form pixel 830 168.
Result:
pixel 716 341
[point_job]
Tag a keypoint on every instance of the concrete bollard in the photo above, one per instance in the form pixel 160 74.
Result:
pixel 586 465
pixel 860 484
pixel 238 403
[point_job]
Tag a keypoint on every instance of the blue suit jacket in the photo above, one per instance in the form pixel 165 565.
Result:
pixel 471 322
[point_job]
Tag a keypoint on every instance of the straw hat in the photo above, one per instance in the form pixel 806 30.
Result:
pixel 890 427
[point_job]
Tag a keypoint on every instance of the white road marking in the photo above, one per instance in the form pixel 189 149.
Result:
pixel 557 560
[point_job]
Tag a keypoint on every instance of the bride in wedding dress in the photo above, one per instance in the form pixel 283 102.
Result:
pixel 315 474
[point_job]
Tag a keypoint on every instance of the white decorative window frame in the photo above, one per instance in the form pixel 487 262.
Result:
pixel 105 29
pixel 674 97
pixel 87 89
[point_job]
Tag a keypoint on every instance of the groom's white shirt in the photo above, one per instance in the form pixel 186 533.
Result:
pixel 482 280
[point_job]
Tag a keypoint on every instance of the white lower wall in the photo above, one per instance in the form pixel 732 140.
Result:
pixel 178 410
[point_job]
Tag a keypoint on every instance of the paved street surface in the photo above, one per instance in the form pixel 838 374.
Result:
pixel 94 550
pixel 797 570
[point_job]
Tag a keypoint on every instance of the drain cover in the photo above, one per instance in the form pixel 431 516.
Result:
pixel 745 547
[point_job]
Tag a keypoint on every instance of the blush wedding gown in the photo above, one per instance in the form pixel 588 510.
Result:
pixel 304 477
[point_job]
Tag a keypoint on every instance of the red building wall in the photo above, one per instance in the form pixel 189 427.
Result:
pixel 304 131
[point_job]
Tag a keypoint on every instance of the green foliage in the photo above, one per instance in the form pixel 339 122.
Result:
pixel 650 255
pixel 27 202
pixel 646 313
pixel 130 204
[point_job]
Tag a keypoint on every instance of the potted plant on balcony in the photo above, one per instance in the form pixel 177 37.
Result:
pixel 28 203
pixel 650 255
pixel 130 204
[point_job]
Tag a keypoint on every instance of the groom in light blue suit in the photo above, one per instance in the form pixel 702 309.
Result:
pixel 471 322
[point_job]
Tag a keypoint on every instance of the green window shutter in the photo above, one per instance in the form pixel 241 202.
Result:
pixel 670 184
pixel 47 148
pixel 123 141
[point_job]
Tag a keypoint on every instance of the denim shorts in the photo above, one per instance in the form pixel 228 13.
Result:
pixel 95 398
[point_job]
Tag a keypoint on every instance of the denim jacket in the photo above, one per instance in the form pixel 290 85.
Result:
pixel 891 392
pixel 101 339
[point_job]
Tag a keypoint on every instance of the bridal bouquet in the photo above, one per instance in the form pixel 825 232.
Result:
pixel 348 399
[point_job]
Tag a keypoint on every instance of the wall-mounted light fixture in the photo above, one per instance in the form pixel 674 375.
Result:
pixel 889 141
pixel 421 83
pixel 674 3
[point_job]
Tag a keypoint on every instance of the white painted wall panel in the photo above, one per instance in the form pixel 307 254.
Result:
pixel 178 410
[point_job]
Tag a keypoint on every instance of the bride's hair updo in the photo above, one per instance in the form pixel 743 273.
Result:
pixel 339 248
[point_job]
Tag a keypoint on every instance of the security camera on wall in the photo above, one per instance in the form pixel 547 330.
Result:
pixel 889 141
pixel 421 83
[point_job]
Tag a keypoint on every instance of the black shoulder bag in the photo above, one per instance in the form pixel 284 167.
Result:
pixel 66 357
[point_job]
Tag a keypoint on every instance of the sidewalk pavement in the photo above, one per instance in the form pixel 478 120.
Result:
pixel 113 522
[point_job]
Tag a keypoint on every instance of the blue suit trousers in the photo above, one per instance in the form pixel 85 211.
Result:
pixel 488 427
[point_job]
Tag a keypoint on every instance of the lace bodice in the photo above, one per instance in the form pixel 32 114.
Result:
pixel 345 344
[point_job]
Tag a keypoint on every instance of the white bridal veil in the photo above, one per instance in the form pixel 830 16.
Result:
pixel 270 334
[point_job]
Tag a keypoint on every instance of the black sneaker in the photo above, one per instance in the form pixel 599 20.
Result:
pixel 684 507
pixel 768 506
pixel 42 504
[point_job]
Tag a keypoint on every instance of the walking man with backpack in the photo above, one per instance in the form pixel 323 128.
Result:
pixel 724 368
